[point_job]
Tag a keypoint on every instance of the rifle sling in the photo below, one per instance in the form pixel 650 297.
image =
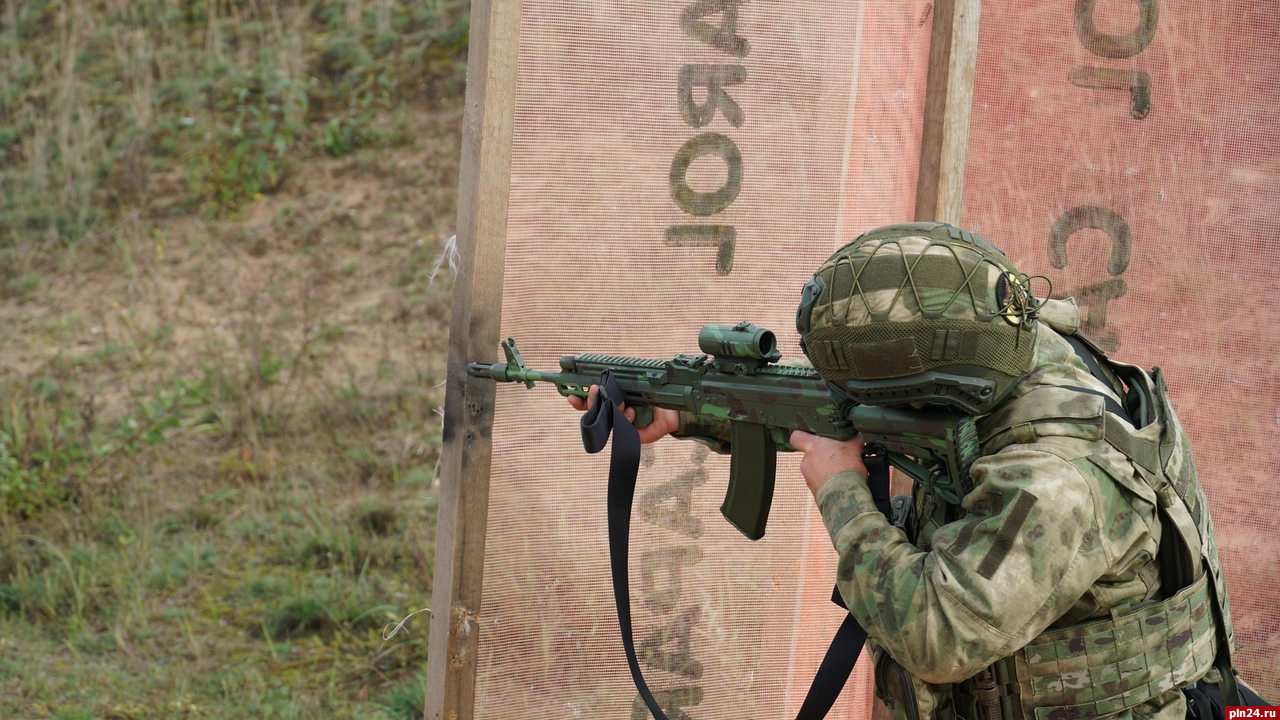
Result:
pixel 602 418
pixel 605 417
pixel 846 646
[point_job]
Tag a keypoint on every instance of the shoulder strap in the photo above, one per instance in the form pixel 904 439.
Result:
pixel 1090 360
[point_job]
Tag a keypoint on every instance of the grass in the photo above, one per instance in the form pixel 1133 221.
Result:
pixel 405 702
pixel 267 600
pixel 220 230
pixel 231 96
pixel 290 550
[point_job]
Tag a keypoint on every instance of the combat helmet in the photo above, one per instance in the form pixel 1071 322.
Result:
pixel 919 312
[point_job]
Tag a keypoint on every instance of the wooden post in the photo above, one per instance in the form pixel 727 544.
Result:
pixel 953 54
pixel 944 147
pixel 483 193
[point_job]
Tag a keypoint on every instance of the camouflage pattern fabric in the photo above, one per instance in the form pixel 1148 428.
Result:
pixel 905 301
pixel 1055 533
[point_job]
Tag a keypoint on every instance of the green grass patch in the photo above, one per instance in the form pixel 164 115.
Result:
pixel 231 96
pixel 406 701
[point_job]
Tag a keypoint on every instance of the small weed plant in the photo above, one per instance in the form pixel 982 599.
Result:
pixel 42 448
pixel 247 156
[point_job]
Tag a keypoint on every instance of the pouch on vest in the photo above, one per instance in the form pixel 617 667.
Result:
pixel 1103 666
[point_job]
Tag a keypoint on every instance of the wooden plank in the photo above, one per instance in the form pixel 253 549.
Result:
pixel 483 195
pixel 944 147
pixel 953 54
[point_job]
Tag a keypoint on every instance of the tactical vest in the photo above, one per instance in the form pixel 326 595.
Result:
pixel 1103 666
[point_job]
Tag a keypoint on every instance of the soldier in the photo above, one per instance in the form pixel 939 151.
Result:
pixel 1079 577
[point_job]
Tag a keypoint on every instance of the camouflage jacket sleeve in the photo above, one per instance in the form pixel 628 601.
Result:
pixel 1030 545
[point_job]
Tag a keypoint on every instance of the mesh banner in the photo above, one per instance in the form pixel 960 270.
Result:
pixel 682 162
pixel 1130 151
pixel 674 164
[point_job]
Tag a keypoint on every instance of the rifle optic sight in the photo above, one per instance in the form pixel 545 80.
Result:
pixel 743 341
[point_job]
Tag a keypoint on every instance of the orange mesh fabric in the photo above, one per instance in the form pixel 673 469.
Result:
pixel 1130 151
pixel 635 218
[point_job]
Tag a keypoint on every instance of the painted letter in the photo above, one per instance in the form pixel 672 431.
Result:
pixel 678 659
pixel 672 701
pixel 1116 46
pixel 722 237
pixel 1094 218
pixel 670 505
pixel 1137 82
pixel 671 560
pixel 714 78
pixel 698 203
pixel 723 36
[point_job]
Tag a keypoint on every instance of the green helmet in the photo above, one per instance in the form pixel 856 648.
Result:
pixel 919 312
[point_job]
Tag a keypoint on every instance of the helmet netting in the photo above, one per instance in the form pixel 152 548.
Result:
pixel 905 300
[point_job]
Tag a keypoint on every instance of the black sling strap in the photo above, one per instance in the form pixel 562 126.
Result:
pixel 846 646
pixel 1090 361
pixel 836 666
pixel 602 418
pixel 605 417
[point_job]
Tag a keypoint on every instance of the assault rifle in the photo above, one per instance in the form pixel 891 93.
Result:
pixel 736 379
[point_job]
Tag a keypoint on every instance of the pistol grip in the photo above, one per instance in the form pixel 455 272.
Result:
pixel 752 467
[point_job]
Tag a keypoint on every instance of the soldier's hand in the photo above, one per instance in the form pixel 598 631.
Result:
pixel 665 421
pixel 824 457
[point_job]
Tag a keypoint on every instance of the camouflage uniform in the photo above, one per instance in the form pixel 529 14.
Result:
pixel 1061 528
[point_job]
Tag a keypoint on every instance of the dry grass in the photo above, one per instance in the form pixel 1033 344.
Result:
pixel 219 421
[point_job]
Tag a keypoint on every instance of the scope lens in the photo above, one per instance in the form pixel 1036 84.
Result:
pixel 767 343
